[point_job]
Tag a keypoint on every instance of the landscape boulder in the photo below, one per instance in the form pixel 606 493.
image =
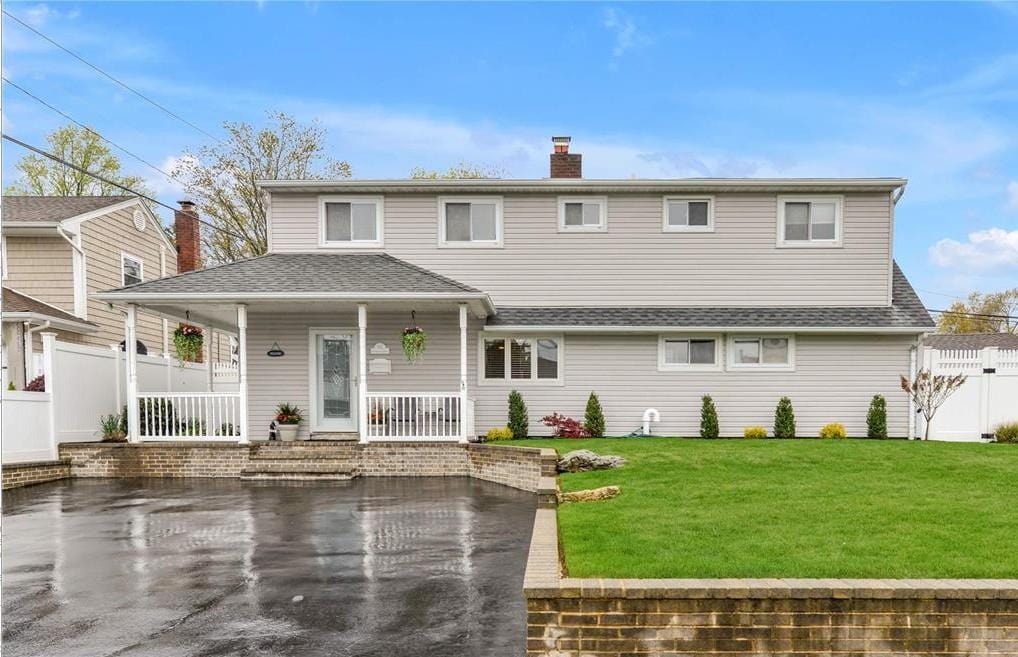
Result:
pixel 582 460
pixel 591 495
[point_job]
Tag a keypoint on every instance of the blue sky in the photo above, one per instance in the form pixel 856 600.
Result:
pixel 924 91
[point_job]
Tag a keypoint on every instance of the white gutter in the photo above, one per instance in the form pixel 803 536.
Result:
pixel 524 328
pixel 77 272
pixel 63 324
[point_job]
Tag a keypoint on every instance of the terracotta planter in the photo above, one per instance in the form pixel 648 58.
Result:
pixel 287 432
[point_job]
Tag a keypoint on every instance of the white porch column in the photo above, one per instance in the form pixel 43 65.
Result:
pixel 27 351
pixel 463 373
pixel 130 333
pixel 362 371
pixel 49 345
pixel 242 370
pixel 115 348
pixel 209 337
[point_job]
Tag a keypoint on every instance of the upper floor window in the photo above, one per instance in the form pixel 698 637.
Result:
pixel 809 221
pixel 688 353
pixel 521 359
pixel 689 214
pixel 767 351
pixel 582 214
pixel 130 269
pixel 470 222
pixel 350 222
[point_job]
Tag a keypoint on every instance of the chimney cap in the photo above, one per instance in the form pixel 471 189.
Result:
pixel 186 204
pixel 561 144
pixel 561 140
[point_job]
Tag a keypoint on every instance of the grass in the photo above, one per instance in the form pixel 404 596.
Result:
pixel 794 508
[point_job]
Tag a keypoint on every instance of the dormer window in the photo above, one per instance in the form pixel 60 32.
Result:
pixel 350 222
pixel 805 222
pixel 474 222
pixel 587 214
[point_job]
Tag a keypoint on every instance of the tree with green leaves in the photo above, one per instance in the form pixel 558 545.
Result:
pixel 223 176
pixel 708 418
pixel 40 176
pixel 593 417
pixel 982 313
pixel 784 419
pixel 876 418
pixel 461 171
pixel 519 422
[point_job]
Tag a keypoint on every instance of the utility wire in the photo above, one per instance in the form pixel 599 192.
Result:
pixel 109 76
pixel 967 314
pixel 85 127
pixel 64 162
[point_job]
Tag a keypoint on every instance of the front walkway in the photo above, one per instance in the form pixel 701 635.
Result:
pixel 421 566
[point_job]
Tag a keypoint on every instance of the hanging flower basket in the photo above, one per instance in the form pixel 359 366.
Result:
pixel 415 341
pixel 188 341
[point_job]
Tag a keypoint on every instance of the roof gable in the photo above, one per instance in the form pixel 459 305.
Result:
pixel 52 209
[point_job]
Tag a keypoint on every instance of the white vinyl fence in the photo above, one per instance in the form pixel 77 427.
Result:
pixel 988 397
pixel 86 383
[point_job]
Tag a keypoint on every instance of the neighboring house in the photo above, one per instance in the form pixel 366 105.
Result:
pixel 650 293
pixel 970 341
pixel 57 252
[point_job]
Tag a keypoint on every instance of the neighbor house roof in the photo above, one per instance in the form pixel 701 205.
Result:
pixel 51 209
pixel 971 340
pixel 21 307
pixel 906 313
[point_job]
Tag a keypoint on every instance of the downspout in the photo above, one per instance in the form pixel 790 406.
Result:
pixel 912 357
pixel 28 356
pixel 78 272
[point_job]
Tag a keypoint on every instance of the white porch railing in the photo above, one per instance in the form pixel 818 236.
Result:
pixel 413 416
pixel 189 416
pixel 225 371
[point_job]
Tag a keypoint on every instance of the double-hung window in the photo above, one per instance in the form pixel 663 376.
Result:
pixel 587 214
pixel 691 214
pixel 515 359
pixel 131 269
pixel 809 221
pixel 351 221
pixel 676 352
pixel 768 351
pixel 470 222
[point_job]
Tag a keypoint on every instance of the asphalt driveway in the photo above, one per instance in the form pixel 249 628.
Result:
pixel 200 568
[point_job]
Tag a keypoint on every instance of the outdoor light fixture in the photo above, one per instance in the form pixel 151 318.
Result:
pixel 275 351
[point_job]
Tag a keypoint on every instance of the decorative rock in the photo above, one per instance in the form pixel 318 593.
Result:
pixel 582 460
pixel 592 495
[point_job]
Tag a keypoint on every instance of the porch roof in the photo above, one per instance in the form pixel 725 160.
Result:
pixel 19 307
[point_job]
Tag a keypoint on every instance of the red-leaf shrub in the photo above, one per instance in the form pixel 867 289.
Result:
pixel 565 427
pixel 38 384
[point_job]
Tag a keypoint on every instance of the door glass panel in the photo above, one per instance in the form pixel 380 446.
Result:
pixel 334 377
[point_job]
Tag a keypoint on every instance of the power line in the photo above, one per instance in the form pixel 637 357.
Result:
pixel 940 294
pixel 109 76
pixel 967 314
pixel 85 127
pixel 64 162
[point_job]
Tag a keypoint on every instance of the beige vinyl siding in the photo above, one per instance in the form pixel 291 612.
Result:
pixel 103 239
pixel 634 262
pixel 41 267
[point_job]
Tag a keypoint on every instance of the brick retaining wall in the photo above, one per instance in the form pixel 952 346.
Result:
pixel 570 617
pixel 16 475
pixel 176 459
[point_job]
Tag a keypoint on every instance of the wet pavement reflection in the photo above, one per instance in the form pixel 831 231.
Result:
pixel 394 567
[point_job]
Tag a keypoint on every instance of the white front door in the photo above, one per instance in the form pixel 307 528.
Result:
pixel 334 382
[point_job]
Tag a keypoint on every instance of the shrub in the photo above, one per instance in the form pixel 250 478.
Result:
pixel 112 428
pixel 518 422
pixel 833 430
pixel 565 427
pixel 593 418
pixel 708 418
pixel 10 385
pixel 38 384
pixel 876 418
pixel 754 432
pixel 1006 432
pixel 499 433
pixel 784 419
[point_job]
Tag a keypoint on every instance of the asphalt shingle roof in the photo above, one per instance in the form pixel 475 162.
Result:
pixel 906 311
pixel 16 302
pixel 971 340
pixel 44 209
pixel 306 273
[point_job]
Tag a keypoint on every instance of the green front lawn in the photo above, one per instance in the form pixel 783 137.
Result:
pixel 794 508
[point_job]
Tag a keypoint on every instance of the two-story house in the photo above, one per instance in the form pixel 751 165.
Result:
pixel 650 293
pixel 59 250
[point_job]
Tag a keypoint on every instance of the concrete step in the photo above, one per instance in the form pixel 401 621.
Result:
pixel 301 454
pixel 295 477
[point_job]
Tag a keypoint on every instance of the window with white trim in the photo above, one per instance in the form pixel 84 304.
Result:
pixel 516 359
pixel 773 351
pixel 350 222
pixel 809 221
pixel 689 214
pixel 688 352
pixel 131 269
pixel 470 222
pixel 587 214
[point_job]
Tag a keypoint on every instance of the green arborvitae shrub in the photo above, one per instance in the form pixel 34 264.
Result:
pixel 518 421
pixel 708 418
pixel 593 418
pixel 784 419
pixel 876 418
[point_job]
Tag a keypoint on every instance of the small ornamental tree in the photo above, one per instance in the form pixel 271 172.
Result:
pixel 708 418
pixel 876 418
pixel 518 421
pixel 593 418
pixel 784 419
pixel 565 427
pixel 929 391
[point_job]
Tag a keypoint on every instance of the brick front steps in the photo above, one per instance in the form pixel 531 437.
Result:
pixel 302 461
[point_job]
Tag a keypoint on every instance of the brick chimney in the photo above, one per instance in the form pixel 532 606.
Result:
pixel 185 228
pixel 563 163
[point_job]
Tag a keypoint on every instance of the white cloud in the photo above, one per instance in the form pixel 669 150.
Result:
pixel 1012 195
pixel 990 249
pixel 623 27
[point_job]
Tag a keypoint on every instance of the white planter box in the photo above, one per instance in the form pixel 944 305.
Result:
pixel 287 432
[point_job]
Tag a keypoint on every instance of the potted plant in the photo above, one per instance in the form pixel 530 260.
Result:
pixel 288 418
pixel 187 340
pixel 415 340
pixel 113 428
